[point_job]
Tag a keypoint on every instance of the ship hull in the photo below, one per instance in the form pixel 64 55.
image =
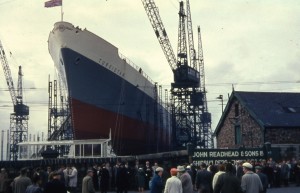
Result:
pixel 107 95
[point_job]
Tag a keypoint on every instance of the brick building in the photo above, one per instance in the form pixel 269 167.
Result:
pixel 251 119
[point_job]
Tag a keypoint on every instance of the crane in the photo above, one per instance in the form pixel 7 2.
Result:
pixel 186 95
pixel 19 118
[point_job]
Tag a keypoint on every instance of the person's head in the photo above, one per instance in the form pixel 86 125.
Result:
pixel 229 168
pixel 36 179
pixel 159 171
pixel 23 171
pixel 221 167
pixel 173 172
pixel 247 167
pixel 203 165
pixel 90 172
pixel 180 169
pixel 54 176
pixel 258 169
pixel 3 170
pixel 147 163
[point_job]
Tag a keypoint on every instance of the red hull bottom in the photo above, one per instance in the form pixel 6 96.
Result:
pixel 129 136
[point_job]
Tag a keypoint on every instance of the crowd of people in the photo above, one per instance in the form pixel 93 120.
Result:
pixel 238 177
pixel 232 177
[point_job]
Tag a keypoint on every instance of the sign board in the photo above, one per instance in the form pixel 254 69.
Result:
pixel 217 155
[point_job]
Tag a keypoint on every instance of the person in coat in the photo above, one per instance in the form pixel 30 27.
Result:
pixel 173 184
pixel 55 185
pixel 263 178
pixel 141 179
pixel 3 179
pixel 203 180
pixel 228 182
pixel 87 183
pixel 72 180
pixel 186 180
pixel 104 179
pixel 250 181
pixel 21 182
pixel 122 179
pixel 216 176
pixel 156 182
pixel 35 187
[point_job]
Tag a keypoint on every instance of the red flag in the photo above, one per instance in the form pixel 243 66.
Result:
pixel 53 3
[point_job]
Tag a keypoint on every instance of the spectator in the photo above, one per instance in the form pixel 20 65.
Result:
pixel 173 184
pixel 263 178
pixel 186 180
pixel 3 179
pixel 95 177
pixel 141 179
pixel 104 179
pixel 87 183
pixel 148 173
pixel 216 176
pixel 21 182
pixel 35 187
pixel 297 173
pixel 203 180
pixel 284 173
pixel 156 182
pixel 228 182
pixel 250 181
pixel 55 185
pixel 73 180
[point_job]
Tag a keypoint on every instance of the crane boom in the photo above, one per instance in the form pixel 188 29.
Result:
pixel 192 51
pixel 161 34
pixel 7 74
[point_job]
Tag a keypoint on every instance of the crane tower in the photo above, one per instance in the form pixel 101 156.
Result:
pixel 190 117
pixel 19 118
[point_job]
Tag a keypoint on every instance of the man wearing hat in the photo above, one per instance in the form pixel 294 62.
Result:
pixel 173 184
pixel 186 180
pixel 87 182
pixel 156 182
pixel 263 178
pixel 250 181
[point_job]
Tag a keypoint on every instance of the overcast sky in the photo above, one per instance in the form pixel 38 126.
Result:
pixel 251 44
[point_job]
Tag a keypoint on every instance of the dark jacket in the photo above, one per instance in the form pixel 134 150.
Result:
pixel 55 186
pixel 156 184
pixel 264 180
pixel 33 189
pixel 204 180
pixel 228 183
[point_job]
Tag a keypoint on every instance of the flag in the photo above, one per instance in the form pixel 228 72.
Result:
pixel 53 3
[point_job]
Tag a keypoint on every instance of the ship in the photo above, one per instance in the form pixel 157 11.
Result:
pixel 109 96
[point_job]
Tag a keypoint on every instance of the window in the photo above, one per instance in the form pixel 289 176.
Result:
pixel 237 134
pixel 236 110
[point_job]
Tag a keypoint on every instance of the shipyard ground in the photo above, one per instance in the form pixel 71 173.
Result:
pixel 291 189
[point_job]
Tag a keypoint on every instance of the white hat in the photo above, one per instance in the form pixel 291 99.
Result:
pixel 247 165
pixel 159 169
pixel 180 169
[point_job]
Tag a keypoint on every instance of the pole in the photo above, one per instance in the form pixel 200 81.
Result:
pixel 2 138
pixel 61 11
pixel 7 147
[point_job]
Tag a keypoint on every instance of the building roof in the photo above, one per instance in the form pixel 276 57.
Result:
pixel 269 109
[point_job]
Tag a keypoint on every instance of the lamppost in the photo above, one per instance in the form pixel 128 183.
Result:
pixel 268 149
pixel 220 97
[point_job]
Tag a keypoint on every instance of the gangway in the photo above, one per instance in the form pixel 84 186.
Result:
pixel 89 148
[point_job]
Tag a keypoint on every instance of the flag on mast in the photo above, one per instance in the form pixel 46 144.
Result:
pixel 53 3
